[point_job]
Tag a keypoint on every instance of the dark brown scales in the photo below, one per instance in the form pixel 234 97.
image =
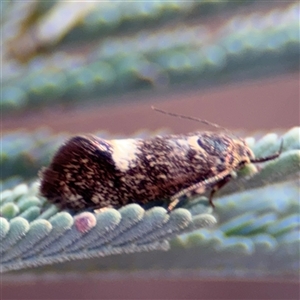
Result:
pixel 89 172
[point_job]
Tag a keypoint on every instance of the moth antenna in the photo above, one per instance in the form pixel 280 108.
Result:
pixel 192 119
pixel 270 157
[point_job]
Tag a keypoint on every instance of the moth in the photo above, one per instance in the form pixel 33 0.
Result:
pixel 88 172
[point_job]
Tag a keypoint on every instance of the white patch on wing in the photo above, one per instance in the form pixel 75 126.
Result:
pixel 193 143
pixel 124 153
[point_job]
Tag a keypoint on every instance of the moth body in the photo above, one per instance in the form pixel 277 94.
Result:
pixel 90 172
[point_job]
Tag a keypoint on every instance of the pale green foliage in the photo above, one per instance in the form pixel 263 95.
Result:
pixel 258 216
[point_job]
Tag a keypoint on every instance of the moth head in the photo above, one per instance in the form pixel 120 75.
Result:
pixel 246 155
pixel 243 154
pixel 223 151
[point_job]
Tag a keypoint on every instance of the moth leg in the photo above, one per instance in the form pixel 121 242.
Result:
pixel 200 187
pixel 216 187
pixel 175 200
